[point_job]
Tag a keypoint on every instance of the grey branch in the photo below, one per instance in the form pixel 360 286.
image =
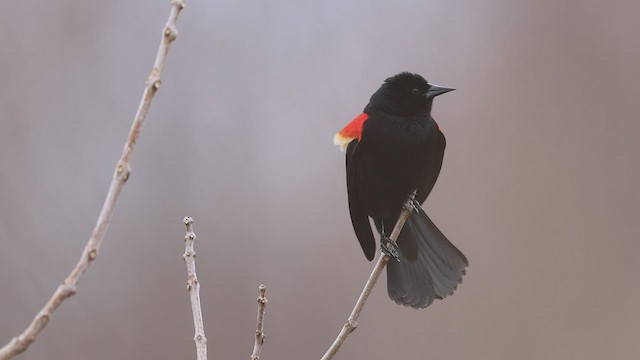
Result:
pixel 352 322
pixel 262 304
pixel 193 286
pixel 122 171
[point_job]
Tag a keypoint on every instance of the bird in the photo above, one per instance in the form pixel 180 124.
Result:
pixel 394 151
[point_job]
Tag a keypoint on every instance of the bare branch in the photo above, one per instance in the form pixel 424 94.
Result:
pixel 352 322
pixel 121 174
pixel 262 304
pixel 193 286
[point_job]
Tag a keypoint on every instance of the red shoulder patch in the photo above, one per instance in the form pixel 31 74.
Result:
pixel 351 132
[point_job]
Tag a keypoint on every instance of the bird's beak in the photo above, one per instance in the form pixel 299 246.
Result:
pixel 436 90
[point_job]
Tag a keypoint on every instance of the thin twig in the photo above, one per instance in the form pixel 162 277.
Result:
pixel 193 286
pixel 262 304
pixel 352 322
pixel 122 171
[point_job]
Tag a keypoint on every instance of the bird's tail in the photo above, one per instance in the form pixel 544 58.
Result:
pixel 430 267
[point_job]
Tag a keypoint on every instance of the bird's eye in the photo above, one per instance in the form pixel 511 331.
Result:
pixel 415 91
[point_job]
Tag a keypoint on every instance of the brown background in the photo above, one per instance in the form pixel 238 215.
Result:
pixel 538 188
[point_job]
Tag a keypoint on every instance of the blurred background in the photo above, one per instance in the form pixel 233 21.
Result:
pixel 539 186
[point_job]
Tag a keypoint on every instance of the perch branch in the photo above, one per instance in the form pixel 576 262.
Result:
pixel 262 304
pixel 352 322
pixel 193 286
pixel 122 171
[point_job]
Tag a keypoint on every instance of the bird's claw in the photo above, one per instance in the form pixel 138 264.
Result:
pixel 412 204
pixel 389 247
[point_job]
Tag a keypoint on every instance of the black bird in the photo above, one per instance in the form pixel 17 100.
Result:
pixel 395 148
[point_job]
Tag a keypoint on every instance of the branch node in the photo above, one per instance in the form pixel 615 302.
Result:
pixel 67 290
pixel 180 4
pixel 170 33
pixel 43 320
pixel 153 80
pixel 123 170
pixel 352 324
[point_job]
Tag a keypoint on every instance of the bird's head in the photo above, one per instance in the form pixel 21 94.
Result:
pixel 406 94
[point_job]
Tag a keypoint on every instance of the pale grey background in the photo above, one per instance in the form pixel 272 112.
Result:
pixel 538 188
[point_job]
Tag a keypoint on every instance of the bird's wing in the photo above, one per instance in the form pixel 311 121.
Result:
pixel 359 217
pixel 349 138
pixel 435 164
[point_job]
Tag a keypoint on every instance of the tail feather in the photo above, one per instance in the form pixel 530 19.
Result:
pixel 433 273
pixel 401 284
pixel 420 292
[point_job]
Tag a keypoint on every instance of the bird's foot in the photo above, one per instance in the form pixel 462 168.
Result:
pixel 412 204
pixel 389 247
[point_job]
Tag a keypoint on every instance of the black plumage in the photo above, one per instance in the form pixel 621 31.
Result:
pixel 398 150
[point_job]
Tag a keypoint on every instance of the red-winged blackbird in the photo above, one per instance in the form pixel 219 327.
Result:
pixel 395 148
